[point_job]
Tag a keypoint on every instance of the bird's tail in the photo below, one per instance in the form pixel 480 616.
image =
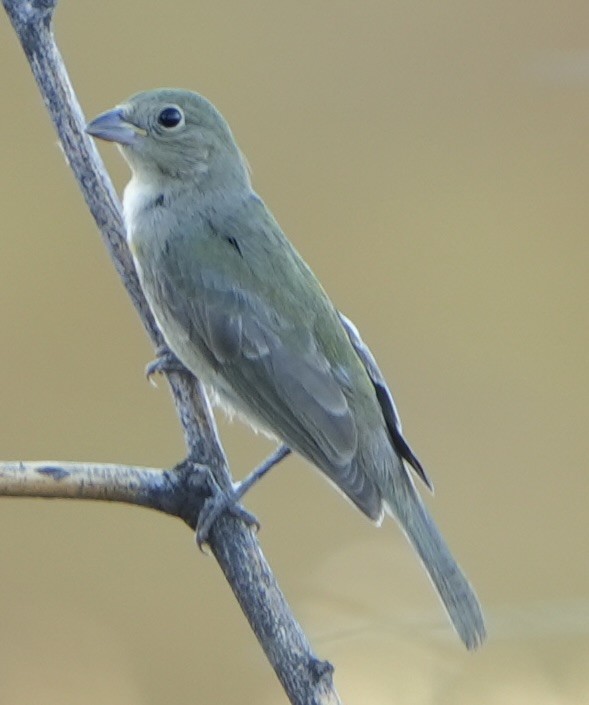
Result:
pixel 404 503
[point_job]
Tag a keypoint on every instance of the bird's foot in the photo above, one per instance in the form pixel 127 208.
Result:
pixel 164 362
pixel 216 505
pixel 221 502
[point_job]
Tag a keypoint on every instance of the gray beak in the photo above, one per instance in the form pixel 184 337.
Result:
pixel 113 127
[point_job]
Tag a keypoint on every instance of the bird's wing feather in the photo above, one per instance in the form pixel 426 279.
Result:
pixel 385 399
pixel 277 370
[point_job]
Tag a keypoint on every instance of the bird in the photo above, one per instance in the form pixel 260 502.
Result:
pixel 240 308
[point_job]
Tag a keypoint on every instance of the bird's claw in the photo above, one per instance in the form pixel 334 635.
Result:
pixel 164 362
pixel 216 505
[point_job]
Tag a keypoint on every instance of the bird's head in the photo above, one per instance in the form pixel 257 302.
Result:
pixel 174 134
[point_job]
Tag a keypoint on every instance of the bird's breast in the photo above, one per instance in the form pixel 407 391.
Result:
pixel 155 239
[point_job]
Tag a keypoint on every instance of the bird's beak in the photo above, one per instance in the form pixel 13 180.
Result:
pixel 113 127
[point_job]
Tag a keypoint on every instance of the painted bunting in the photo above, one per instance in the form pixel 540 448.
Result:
pixel 240 308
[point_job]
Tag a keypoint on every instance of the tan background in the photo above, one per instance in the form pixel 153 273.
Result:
pixel 430 160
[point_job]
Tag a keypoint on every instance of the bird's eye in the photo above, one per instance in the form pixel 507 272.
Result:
pixel 170 117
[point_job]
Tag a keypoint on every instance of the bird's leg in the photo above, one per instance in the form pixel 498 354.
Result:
pixel 221 502
pixel 165 361
pixel 242 487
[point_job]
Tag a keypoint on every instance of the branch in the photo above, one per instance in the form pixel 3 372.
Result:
pixel 180 492
pixel 63 480
pixel 306 680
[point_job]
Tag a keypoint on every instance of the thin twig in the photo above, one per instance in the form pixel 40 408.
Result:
pixel 306 680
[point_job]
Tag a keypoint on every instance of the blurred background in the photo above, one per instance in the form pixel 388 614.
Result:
pixel 430 161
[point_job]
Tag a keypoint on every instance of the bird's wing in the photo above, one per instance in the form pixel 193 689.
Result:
pixel 272 363
pixel 275 369
pixel 385 399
